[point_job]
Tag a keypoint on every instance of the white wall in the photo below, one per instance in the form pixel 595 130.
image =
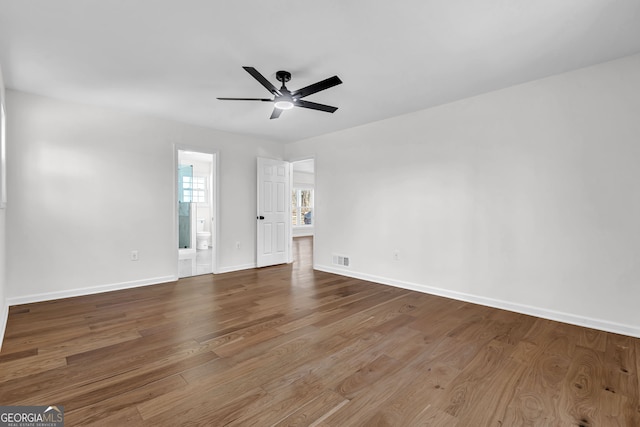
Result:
pixel 88 185
pixel 4 310
pixel 525 198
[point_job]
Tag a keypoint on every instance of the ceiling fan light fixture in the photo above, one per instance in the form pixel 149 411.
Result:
pixel 284 105
pixel 284 99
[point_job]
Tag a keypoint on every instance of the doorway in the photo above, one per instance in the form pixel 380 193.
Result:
pixel 285 201
pixel 302 197
pixel 303 213
pixel 196 212
pixel 273 231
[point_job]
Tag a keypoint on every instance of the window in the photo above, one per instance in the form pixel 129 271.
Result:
pixel 301 207
pixel 195 189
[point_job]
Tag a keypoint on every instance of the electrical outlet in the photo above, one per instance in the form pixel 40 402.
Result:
pixel 237 245
pixel 134 255
pixel 396 254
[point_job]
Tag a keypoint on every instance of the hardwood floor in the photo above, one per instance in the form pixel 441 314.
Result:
pixel 289 346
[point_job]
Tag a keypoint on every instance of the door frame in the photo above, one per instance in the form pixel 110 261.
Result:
pixel 215 191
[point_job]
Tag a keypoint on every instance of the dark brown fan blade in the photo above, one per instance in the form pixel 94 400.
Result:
pixel 314 106
pixel 316 87
pixel 276 113
pixel 263 81
pixel 246 99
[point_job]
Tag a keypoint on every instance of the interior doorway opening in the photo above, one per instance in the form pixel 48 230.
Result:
pixel 302 253
pixel 303 215
pixel 303 198
pixel 196 196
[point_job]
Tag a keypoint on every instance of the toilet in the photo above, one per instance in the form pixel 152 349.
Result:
pixel 202 237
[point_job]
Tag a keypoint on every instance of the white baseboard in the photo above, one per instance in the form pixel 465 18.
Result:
pixel 47 296
pixel 4 316
pixel 235 268
pixel 588 322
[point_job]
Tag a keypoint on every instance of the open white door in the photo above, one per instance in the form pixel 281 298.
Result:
pixel 274 212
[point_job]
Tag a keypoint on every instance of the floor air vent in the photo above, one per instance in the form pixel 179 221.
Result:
pixel 341 260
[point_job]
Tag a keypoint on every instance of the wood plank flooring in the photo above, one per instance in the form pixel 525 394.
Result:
pixel 289 346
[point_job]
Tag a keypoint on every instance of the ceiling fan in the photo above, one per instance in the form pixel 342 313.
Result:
pixel 284 99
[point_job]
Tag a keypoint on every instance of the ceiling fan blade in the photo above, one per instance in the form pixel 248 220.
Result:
pixel 315 106
pixel 247 99
pixel 263 81
pixel 276 113
pixel 316 87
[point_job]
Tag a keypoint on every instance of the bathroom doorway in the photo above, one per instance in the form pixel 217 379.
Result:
pixel 196 212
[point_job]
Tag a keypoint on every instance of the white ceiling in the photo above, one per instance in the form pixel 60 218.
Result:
pixel 173 58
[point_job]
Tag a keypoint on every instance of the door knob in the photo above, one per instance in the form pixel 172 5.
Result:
pixel 260 217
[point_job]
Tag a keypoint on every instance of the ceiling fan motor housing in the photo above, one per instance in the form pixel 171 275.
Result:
pixel 283 76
